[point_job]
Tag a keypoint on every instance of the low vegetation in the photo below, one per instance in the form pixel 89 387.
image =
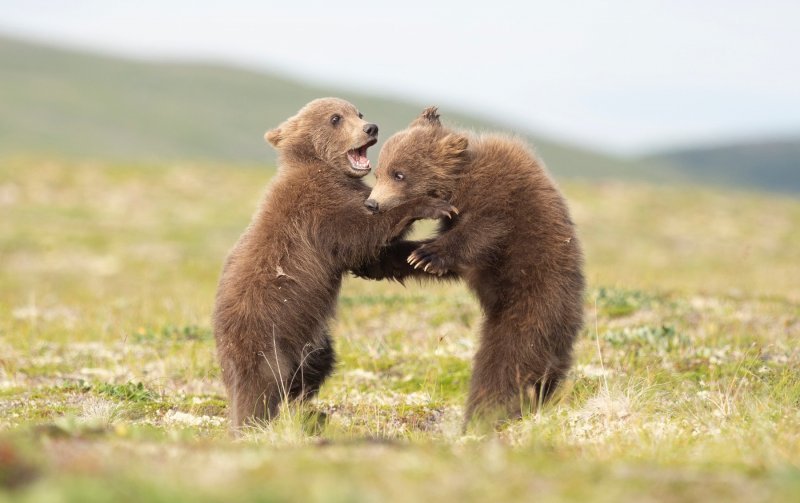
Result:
pixel 686 384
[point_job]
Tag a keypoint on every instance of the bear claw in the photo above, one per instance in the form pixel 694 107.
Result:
pixel 428 260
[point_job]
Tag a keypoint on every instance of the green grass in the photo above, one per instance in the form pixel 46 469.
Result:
pixel 686 384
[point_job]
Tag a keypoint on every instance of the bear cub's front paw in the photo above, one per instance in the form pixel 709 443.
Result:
pixel 429 259
pixel 439 208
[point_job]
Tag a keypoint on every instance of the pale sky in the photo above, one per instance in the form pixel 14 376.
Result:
pixel 620 75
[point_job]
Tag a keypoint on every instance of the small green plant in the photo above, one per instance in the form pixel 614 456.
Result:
pixel 128 392
pixel 616 303
pixel 173 333
pixel 662 337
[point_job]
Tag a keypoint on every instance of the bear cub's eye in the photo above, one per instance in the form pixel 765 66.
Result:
pixel 399 176
pixel 360 115
pixel 335 118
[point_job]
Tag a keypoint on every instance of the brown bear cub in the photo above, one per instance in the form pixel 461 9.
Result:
pixel 513 243
pixel 280 282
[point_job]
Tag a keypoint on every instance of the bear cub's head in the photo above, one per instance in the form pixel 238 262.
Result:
pixel 423 160
pixel 330 130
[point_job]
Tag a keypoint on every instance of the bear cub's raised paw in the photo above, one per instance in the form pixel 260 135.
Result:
pixel 439 208
pixel 431 259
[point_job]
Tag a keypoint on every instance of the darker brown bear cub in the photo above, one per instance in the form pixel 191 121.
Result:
pixel 280 282
pixel 513 243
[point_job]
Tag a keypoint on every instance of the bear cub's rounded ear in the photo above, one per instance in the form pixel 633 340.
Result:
pixel 452 150
pixel 453 144
pixel 274 137
pixel 282 133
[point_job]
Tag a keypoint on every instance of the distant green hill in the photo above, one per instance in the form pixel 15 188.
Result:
pixel 768 164
pixel 75 104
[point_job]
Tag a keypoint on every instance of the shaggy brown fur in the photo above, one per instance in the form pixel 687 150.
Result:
pixel 281 280
pixel 513 243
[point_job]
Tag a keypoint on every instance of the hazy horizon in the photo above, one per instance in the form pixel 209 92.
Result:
pixel 621 77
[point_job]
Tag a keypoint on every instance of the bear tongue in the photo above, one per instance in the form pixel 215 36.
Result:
pixel 358 156
pixel 362 155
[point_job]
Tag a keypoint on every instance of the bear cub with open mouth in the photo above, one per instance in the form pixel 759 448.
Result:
pixel 280 282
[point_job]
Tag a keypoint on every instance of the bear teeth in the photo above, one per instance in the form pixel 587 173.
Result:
pixel 358 156
pixel 357 160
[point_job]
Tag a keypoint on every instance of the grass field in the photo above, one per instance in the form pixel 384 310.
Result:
pixel 686 384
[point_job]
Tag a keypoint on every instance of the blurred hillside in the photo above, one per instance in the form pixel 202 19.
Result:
pixel 768 164
pixel 73 104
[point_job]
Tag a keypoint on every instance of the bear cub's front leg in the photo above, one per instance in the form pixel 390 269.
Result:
pixel 390 264
pixel 471 241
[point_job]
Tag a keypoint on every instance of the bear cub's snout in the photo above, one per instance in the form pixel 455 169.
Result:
pixel 372 205
pixel 371 129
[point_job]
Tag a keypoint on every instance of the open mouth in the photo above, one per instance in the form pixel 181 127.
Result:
pixel 358 157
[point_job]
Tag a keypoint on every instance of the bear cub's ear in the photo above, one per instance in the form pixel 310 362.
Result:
pixel 278 136
pixel 453 144
pixel 453 149
pixel 274 137
pixel 428 117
